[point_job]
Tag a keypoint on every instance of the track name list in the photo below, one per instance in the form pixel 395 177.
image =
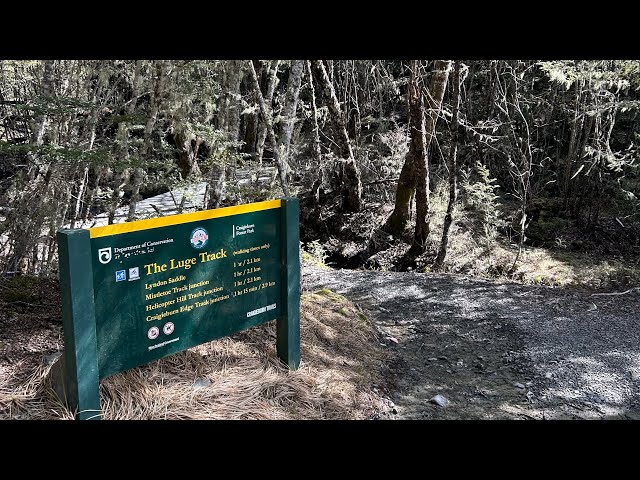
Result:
pixel 178 294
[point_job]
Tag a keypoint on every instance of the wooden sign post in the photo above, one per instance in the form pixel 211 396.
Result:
pixel 139 291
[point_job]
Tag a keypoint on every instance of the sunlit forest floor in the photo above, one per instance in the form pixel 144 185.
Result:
pixel 557 252
pixel 237 377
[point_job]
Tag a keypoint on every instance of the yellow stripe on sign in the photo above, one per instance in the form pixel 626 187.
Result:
pixel 118 228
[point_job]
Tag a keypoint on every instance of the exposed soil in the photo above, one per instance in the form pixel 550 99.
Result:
pixel 498 350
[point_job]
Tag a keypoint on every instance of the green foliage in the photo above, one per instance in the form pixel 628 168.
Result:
pixel 324 291
pixel 616 75
pixel 56 153
pixel 222 150
pixel 314 253
pixel 397 143
pixel 481 200
pixel 136 120
pixel 54 106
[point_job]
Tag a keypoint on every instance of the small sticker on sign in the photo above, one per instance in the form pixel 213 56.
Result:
pixel 199 238
pixel 168 328
pixel 257 311
pixel 134 273
pixel 153 333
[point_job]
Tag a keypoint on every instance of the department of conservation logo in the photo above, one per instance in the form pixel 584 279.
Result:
pixel 199 238
pixel 104 255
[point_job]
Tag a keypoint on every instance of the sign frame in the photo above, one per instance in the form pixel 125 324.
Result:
pixel 78 377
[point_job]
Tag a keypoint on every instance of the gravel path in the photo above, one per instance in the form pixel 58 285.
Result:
pixel 496 350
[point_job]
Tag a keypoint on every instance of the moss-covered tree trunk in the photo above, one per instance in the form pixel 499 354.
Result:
pixel 436 93
pixel 188 146
pixel 138 173
pixel 126 176
pixel 397 222
pixel 398 219
pixel 412 172
pixel 267 116
pixel 272 83
pixel 289 110
pixel 231 102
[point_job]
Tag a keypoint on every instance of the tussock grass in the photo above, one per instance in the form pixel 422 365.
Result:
pixel 341 359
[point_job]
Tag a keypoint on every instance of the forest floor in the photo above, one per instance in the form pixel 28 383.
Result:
pixel 374 345
pixel 237 377
pixel 498 350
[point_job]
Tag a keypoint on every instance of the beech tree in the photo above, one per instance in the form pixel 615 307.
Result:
pixel 267 116
pixel 82 139
pixel 414 177
pixel 421 160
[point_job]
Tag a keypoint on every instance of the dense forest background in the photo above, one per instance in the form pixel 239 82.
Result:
pixel 523 170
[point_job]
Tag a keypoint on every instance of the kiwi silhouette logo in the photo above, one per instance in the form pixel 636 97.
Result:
pixel 104 255
pixel 199 238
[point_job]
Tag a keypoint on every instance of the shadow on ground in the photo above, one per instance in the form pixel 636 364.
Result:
pixel 497 350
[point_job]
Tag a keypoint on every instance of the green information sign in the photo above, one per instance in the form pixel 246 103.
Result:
pixel 139 291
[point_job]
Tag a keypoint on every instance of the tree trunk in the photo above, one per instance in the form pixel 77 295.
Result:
pixel 79 195
pixel 268 120
pixel 272 75
pixel 154 104
pixel 436 92
pixel 317 185
pixel 47 91
pixel 138 174
pixel 576 129
pixel 231 101
pixel 188 152
pixel 410 174
pixel 290 107
pixel 120 179
pixel 251 121
pixel 235 106
pixel 26 218
pixel 453 170
pixel 349 174
pixel 216 184
pixel 93 184
pixel 419 158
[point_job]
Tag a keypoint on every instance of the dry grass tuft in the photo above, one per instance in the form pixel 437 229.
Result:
pixel 341 359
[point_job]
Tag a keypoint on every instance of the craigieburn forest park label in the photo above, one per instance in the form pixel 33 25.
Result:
pixel 163 285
